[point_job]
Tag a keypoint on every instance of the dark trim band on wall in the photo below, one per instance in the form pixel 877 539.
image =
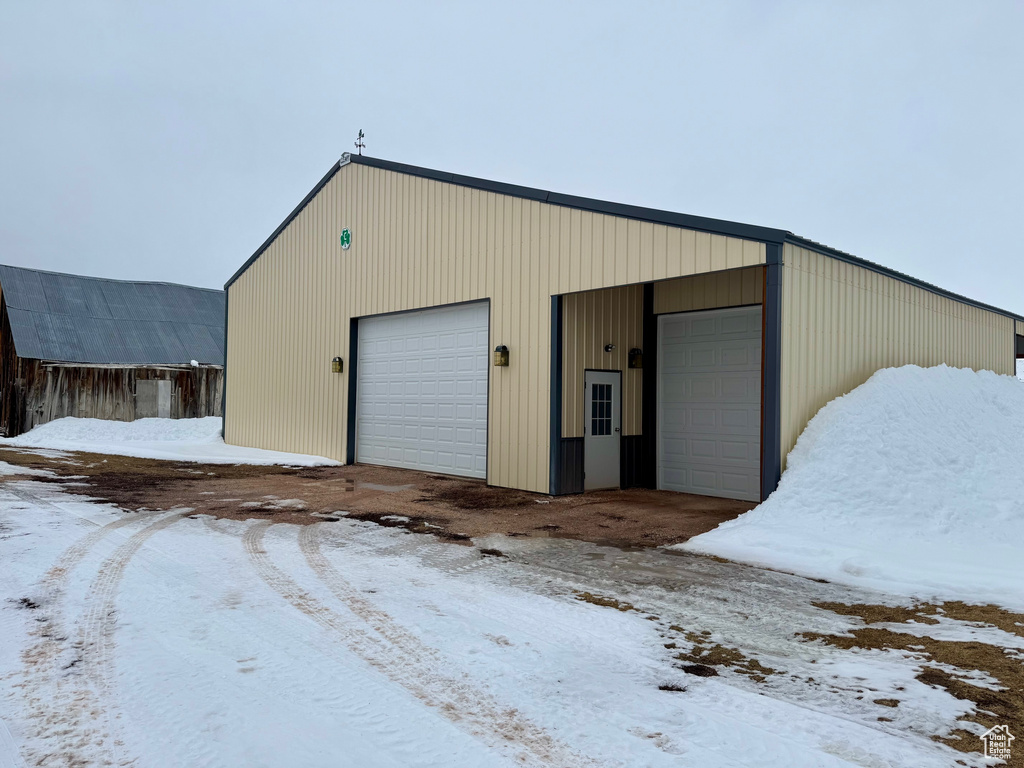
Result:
pixel 555 439
pixel 571 469
pixel 224 376
pixel 771 416
pixel 633 470
pixel 353 363
pixel 649 393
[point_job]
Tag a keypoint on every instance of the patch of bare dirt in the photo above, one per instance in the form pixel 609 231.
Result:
pixel 604 602
pixel 993 707
pixel 454 509
pixel 883 614
pixel 715 655
pixel 460 495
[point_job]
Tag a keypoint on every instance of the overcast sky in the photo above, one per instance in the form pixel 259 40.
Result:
pixel 141 142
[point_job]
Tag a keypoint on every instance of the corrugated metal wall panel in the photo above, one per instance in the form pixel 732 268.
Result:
pixel 419 243
pixel 1019 327
pixel 842 322
pixel 714 290
pixel 590 321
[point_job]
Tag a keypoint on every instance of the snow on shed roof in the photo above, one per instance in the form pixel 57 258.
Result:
pixel 76 319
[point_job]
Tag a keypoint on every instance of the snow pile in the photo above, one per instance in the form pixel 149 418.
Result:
pixel 913 483
pixel 171 439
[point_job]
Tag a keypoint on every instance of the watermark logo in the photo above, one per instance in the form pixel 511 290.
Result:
pixel 997 742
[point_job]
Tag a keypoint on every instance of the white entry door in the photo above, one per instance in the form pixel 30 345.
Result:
pixel 602 427
pixel 709 403
pixel 421 390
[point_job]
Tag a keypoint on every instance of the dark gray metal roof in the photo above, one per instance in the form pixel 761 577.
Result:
pixel 704 224
pixel 75 319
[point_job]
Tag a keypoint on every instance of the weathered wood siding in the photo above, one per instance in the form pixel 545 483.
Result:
pixel 42 393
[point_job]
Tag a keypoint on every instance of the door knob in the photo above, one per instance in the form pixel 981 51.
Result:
pixel 616 429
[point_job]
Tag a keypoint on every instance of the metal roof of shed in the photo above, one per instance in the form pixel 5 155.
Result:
pixel 75 319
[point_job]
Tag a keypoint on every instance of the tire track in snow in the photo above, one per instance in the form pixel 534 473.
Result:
pixel 41 674
pixel 74 709
pixel 53 581
pixel 400 656
pixel 97 624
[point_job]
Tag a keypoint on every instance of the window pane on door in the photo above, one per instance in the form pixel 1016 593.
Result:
pixel 601 409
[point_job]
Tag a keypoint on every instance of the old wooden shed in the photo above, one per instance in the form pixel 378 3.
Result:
pixel 106 349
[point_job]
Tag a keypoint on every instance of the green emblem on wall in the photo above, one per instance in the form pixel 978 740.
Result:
pixel 346 239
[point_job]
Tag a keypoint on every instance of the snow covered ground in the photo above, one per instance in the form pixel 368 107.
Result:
pixel 156 639
pixel 170 439
pixel 913 483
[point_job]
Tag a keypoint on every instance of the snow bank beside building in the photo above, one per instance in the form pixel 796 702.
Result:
pixel 913 483
pixel 169 439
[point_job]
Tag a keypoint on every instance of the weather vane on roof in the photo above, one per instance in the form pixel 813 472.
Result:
pixel 359 141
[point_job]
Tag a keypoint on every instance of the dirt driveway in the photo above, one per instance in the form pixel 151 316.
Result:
pixel 943 672
pixel 452 508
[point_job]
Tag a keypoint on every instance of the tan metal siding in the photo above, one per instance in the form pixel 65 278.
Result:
pixel 842 322
pixel 417 243
pixel 714 290
pixel 590 321
pixel 1019 327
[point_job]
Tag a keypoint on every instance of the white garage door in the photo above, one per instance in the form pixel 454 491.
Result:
pixel 709 403
pixel 421 390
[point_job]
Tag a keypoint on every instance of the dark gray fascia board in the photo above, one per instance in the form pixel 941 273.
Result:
pixel 825 250
pixel 654 215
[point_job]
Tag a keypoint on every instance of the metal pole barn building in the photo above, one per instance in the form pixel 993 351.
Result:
pixel 408 317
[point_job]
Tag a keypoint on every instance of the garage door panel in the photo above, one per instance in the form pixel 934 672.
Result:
pixel 709 388
pixel 701 418
pixel 709 402
pixel 692 421
pixel 735 451
pixel 739 356
pixel 422 390
pixel 709 452
pixel 711 356
pixel 744 420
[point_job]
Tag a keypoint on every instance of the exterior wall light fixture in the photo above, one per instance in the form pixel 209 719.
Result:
pixel 609 347
pixel 337 366
pixel 636 358
pixel 501 356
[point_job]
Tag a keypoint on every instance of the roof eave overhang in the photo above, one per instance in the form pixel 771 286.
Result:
pixel 638 213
